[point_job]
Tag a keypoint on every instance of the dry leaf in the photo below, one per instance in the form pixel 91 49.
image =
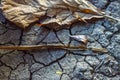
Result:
pixel 25 12
pixel 59 72
pixel 80 38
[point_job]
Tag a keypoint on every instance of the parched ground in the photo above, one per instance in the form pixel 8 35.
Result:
pixel 80 65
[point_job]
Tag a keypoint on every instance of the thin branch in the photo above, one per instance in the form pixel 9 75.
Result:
pixel 51 46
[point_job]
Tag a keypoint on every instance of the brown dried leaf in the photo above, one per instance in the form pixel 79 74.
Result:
pixel 25 12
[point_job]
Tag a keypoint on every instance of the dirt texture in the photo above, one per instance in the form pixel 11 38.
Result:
pixel 71 65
